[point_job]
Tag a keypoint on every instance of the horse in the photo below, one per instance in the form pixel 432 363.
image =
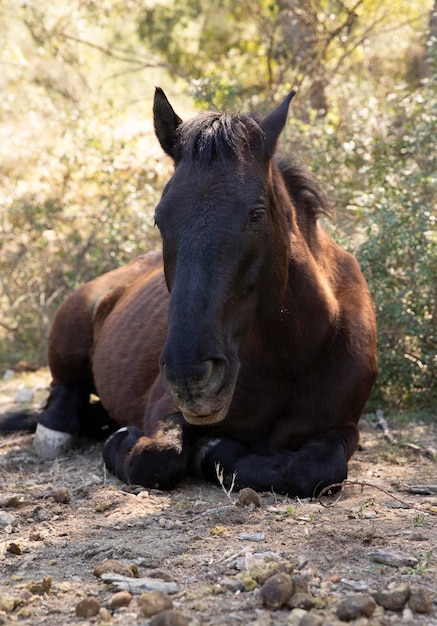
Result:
pixel 245 350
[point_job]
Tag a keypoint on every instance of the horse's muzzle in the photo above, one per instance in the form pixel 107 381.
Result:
pixel 201 391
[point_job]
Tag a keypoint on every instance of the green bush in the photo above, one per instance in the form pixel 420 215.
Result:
pixel 399 256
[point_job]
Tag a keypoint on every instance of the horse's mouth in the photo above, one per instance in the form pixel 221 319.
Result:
pixel 205 418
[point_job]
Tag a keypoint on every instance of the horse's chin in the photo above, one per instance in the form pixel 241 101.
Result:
pixel 206 419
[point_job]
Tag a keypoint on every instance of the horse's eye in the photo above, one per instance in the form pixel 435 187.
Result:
pixel 257 215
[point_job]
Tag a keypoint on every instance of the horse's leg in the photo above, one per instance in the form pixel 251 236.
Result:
pixel 158 462
pixel 69 347
pixel 318 463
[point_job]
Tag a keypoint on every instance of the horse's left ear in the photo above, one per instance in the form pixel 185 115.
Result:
pixel 165 121
pixel 273 123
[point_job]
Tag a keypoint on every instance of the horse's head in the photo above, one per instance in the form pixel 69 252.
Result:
pixel 224 245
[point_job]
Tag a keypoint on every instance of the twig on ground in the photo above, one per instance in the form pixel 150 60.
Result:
pixel 348 483
pixel 221 478
pixel 381 422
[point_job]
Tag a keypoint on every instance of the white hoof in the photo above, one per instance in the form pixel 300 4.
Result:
pixel 50 444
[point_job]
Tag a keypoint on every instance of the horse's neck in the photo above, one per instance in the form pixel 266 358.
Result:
pixel 296 319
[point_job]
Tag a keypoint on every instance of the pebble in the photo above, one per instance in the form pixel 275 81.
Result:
pixel 14 548
pixel 11 500
pixel 119 600
pixel 295 617
pixel 277 591
pixel 7 604
pixel 356 606
pixel 104 615
pixel 153 602
pixel 25 394
pixel 311 620
pixel 393 558
pixel 392 599
pixel 8 375
pixel 6 519
pixel 88 607
pixel 300 584
pixel 170 618
pixel 112 566
pixel 40 587
pixel 420 600
pixel 301 600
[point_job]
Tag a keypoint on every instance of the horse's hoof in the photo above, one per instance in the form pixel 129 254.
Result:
pixel 117 447
pixel 50 444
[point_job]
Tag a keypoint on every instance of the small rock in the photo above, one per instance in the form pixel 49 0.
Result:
pixel 170 618
pixel 120 599
pixel 61 496
pixel 6 519
pixel 36 535
pixel 251 536
pixel 104 615
pixel 112 566
pixel 8 375
pixel 295 617
pixel 14 548
pixel 392 599
pixel 248 496
pixel 277 591
pixel 153 602
pixel 301 600
pixel 7 604
pixel 40 587
pixel 407 615
pixel 356 606
pixel 393 558
pixel 25 394
pixel 11 500
pixel 354 585
pixel 420 600
pixel 88 607
pixel 300 584
pixel 311 620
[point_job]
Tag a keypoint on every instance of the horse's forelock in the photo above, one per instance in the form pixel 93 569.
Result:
pixel 219 137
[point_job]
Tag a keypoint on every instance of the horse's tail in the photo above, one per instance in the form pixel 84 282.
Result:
pixel 19 421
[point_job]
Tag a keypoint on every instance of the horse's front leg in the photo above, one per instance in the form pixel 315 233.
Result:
pixel 157 462
pixel 318 463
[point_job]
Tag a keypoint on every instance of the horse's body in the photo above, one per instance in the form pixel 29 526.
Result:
pixel 250 343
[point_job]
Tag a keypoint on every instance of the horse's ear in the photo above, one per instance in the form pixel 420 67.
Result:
pixel 165 121
pixel 273 123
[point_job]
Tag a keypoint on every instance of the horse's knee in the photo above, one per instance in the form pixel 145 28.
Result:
pixel 116 449
pixel 140 460
pixel 156 466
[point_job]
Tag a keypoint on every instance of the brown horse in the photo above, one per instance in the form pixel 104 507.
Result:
pixel 248 345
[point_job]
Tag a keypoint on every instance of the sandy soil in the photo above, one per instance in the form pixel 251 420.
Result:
pixel 58 520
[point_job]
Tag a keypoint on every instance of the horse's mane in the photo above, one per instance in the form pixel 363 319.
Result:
pixel 212 137
pixel 304 189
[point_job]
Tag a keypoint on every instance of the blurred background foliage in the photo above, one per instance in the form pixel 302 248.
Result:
pixel 81 172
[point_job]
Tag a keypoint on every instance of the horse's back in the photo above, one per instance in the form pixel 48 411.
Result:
pixel 73 330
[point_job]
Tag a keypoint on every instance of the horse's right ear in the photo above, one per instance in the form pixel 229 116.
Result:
pixel 166 122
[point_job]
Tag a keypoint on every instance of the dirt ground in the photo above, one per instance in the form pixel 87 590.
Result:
pixel 59 520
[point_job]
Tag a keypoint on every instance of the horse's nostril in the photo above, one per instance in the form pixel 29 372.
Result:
pixel 217 375
pixel 194 380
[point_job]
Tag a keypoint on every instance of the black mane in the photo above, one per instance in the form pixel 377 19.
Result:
pixel 304 189
pixel 212 137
